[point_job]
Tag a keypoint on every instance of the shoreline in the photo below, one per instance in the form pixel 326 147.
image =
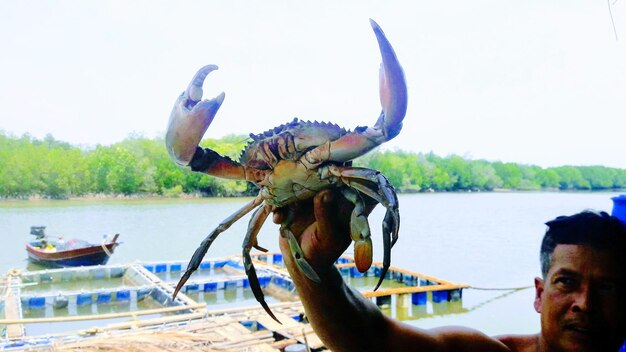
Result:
pixel 197 196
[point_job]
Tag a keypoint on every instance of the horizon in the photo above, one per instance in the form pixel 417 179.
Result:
pixel 530 83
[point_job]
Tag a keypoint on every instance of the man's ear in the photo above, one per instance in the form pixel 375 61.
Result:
pixel 538 293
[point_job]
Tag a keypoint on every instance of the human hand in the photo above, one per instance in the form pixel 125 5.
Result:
pixel 322 227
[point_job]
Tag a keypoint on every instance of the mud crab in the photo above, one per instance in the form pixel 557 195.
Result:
pixel 294 161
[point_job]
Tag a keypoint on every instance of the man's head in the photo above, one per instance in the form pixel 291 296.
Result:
pixel 598 230
pixel 581 296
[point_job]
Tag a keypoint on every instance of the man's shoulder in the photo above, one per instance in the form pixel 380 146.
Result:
pixel 519 343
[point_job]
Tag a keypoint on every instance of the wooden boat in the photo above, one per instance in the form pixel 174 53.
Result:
pixel 56 252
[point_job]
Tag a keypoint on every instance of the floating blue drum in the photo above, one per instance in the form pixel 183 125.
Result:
pixel 354 272
pixel 176 267
pixel 210 287
pixel 192 288
pixel 205 265
pixel 419 298
pixel 37 302
pixel 160 268
pixel 277 259
pixel 104 297
pixel 83 298
pixel 619 207
pixel 440 296
pixel 123 296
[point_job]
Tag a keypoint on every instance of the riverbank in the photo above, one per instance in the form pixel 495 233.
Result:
pixel 156 197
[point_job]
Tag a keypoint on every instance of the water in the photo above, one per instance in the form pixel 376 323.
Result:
pixel 487 240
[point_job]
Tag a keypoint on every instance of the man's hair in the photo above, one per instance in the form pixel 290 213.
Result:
pixel 598 230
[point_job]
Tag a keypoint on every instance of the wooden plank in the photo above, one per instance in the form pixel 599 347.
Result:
pixel 12 307
pixel 412 289
pixel 101 316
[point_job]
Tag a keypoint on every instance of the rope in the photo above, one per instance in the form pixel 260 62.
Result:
pixel 104 247
pixel 501 289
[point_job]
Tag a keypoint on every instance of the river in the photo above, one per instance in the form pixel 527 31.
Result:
pixel 487 240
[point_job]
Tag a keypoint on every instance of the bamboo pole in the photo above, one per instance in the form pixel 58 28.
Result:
pixel 102 316
pixel 412 289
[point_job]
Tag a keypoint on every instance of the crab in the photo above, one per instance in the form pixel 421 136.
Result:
pixel 293 162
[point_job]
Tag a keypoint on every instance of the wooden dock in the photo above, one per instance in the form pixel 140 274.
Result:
pixel 185 324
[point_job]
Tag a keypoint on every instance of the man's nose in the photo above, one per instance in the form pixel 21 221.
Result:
pixel 582 299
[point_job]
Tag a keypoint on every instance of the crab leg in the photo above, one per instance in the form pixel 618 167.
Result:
pixel 257 220
pixel 384 193
pixel 196 259
pixel 393 98
pixel 295 249
pixel 359 230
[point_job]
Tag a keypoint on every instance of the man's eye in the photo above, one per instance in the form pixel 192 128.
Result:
pixel 564 281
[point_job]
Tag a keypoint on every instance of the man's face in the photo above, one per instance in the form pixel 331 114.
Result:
pixel 582 301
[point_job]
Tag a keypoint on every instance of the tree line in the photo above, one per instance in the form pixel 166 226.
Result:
pixel 55 169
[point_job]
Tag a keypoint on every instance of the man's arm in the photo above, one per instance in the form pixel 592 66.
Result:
pixel 341 316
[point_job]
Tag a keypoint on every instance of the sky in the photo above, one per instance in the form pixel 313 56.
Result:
pixel 533 82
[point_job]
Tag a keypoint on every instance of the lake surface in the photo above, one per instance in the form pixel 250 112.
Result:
pixel 487 240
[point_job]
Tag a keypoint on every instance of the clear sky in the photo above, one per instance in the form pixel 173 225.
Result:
pixel 534 81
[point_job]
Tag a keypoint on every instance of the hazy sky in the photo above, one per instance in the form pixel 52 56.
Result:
pixel 538 82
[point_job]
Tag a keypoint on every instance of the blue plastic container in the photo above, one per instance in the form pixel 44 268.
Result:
pixel 354 272
pixel 37 302
pixel 160 268
pixel 277 259
pixel 176 267
pixel 619 207
pixel 104 297
pixel 419 298
pixel 440 296
pixel 210 287
pixel 192 288
pixel 83 298
pixel 122 296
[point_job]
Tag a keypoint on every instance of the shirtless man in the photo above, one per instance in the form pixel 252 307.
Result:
pixel 581 296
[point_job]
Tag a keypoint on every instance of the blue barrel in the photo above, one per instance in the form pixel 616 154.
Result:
pixel 83 298
pixel 210 287
pixel 219 263
pixel 122 296
pixel 160 268
pixel 619 207
pixel 440 296
pixel 176 267
pixel 354 272
pixel 104 297
pixel 277 259
pixel 192 288
pixel 37 302
pixel 419 298
pixel 265 280
pixel 205 265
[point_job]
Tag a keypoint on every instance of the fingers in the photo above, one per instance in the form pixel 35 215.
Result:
pixel 329 236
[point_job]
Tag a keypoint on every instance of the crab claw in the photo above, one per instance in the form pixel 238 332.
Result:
pixel 190 118
pixel 393 92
